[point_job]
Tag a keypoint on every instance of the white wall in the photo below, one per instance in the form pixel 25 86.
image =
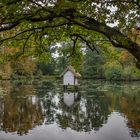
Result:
pixel 76 81
pixel 68 78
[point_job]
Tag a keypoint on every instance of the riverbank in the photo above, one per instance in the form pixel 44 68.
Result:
pixel 52 77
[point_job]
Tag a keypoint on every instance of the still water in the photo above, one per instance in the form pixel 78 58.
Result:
pixel 41 110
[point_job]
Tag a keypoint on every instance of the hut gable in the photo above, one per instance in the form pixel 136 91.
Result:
pixel 72 70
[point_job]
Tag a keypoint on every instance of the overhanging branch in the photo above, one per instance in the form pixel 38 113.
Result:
pixel 34 29
pixel 88 43
pixel 24 46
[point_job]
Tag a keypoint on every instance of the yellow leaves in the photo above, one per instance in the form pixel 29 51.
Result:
pixel 5 70
pixel 25 65
pixel 125 56
pixel 135 35
pixel 111 64
pixel 29 112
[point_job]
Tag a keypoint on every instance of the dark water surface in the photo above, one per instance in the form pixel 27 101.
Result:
pixel 41 110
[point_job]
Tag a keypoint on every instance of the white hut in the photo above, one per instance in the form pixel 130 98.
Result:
pixel 70 76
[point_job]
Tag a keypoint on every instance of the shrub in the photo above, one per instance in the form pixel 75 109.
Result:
pixel 131 73
pixel 113 71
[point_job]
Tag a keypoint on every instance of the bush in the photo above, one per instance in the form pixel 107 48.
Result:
pixel 113 71
pixel 131 73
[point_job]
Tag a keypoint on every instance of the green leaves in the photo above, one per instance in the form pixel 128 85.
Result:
pixel 34 26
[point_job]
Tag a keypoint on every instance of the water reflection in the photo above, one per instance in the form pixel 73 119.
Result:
pixel 26 106
pixel 20 115
pixel 69 98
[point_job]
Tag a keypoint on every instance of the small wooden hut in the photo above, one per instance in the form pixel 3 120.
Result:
pixel 70 77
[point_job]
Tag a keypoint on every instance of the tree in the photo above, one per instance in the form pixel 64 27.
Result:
pixel 32 23
pixel 93 64
pixel 67 55
pixel 46 69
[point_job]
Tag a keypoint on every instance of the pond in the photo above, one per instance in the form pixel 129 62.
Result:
pixel 41 110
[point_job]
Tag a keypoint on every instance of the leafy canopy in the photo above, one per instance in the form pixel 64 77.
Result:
pixel 32 27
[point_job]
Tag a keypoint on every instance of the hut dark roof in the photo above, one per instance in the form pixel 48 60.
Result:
pixel 70 68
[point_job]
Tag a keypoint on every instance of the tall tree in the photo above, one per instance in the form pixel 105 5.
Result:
pixel 93 64
pixel 27 23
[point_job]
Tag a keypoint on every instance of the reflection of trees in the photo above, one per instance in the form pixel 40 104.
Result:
pixel 21 110
pixel 97 112
pixel 44 87
pixel 130 105
pixel 68 116
pixel 20 113
pixel 86 114
pixel 125 99
pixel 49 107
pixel 24 107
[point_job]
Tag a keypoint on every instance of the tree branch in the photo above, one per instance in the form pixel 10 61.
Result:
pixel 24 46
pixel 8 26
pixel 34 29
pixel 88 43
pixel 73 48
pixel 115 36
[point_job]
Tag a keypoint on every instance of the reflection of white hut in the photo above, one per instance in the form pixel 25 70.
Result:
pixel 70 76
pixel 69 98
